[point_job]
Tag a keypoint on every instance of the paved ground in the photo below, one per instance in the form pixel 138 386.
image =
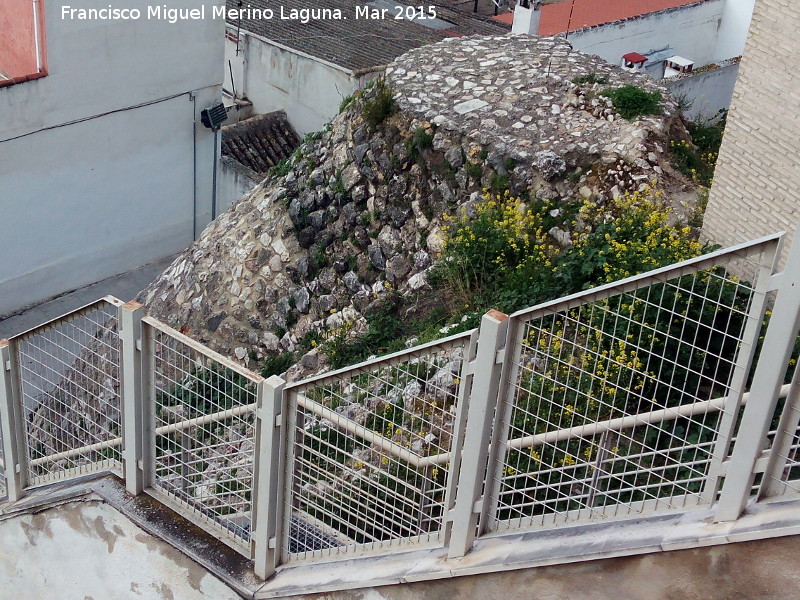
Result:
pixel 88 550
pixel 124 287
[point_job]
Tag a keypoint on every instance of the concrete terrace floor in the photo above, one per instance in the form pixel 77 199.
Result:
pixel 93 541
pixel 87 550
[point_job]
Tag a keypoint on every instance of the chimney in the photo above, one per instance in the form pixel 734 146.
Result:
pixel 526 17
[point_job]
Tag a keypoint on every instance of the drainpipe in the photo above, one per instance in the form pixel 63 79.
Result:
pixel 214 184
pixel 193 100
pixel 37 24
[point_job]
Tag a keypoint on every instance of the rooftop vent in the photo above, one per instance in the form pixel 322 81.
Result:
pixel 677 65
pixel 214 116
pixel 633 61
pixel 527 15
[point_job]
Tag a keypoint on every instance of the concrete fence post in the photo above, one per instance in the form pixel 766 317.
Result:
pixel 268 477
pixel 12 423
pixel 779 342
pixel 486 374
pixel 133 417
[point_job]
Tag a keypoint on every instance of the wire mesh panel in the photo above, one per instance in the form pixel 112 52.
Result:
pixel 68 374
pixel 204 431
pixel 791 469
pixel 623 399
pixel 370 453
pixel 784 441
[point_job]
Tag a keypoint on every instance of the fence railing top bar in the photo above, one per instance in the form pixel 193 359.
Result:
pixel 388 358
pixel 207 352
pixel 86 308
pixel 634 282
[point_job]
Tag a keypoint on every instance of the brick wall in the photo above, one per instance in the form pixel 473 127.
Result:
pixel 756 188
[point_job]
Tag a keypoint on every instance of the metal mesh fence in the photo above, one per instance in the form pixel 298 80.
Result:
pixel 68 376
pixel 204 423
pixel 616 400
pixel 370 453
pixel 784 440
pixel 791 473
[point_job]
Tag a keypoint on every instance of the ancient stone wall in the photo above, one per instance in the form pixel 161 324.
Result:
pixel 359 210
pixel 755 191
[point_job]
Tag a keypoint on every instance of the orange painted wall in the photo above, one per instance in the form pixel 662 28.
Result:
pixel 18 38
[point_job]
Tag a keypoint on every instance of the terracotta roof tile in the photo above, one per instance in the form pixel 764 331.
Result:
pixel 261 142
pixel 634 57
pixel 590 13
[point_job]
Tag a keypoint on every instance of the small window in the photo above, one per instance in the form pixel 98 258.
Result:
pixel 22 45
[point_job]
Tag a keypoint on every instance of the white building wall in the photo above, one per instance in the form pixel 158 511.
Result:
pixel 97 160
pixel 736 18
pixel 234 64
pixel 690 30
pixel 234 182
pixel 275 78
pixel 709 90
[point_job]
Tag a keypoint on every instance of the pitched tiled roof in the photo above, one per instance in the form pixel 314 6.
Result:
pixel 364 43
pixel 261 142
pixel 634 57
pixel 590 13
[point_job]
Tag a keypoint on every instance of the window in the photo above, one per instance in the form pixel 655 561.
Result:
pixel 22 41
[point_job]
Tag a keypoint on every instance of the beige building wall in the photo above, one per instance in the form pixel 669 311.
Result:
pixel 756 189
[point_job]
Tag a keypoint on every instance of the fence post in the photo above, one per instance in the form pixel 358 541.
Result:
pixel 486 372
pixel 268 478
pixel 767 381
pixel 130 325
pixel 14 451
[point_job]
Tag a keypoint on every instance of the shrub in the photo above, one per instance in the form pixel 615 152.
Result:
pixel 312 136
pixel 277 363
pixel 378 105
pixel 632 235
pixel 282 168
pixel 385 334
pixel 632 101
pixel 484 256
pixel 590 78
pixel 346 102
pixel 473 170
pixel 421 140
pixel 504 258
pixel 499 183
pixel 338 186
pixel 699 159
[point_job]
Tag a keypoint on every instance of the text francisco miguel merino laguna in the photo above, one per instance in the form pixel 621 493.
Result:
pixel 163 12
